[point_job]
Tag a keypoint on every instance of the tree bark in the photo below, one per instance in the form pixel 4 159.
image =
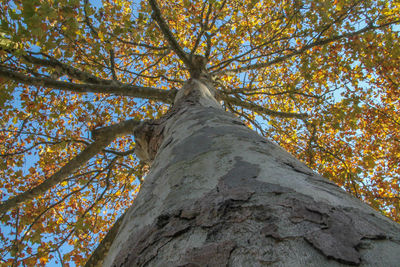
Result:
pixel 218 194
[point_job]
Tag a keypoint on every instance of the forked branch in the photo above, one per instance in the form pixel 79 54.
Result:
pixel 103 137
pixel 113 88
pixel 156 15
pixel 102 249
pixel 63 68
pixel 318 42
pixel 260 109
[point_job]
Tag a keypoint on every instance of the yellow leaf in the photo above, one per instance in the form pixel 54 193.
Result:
pixel 101 36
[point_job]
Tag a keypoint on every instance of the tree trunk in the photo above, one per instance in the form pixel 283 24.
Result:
pixel 218 194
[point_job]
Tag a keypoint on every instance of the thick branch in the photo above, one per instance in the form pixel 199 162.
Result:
pixel 103 137
pixel 318 42
pixel 204 27
pixel 261 110
pixel 116 130
pixel 112 65
pixel 101 251
pixel 65 69
pixel 114 88
pixel 156 15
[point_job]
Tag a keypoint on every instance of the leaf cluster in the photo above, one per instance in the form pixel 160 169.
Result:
pixel 320 78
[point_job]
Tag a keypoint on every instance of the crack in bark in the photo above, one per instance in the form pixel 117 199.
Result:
pixel 298 169
pixel 330 230
pixel 337 236
pixel 242 213
pixel 148 138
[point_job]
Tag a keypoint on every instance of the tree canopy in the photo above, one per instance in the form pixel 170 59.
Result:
pixel 320 78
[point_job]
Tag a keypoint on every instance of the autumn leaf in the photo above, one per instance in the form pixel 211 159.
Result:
pixel 320 78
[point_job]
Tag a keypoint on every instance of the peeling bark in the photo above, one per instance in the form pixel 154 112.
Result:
pixel 148 139
pixel 218 194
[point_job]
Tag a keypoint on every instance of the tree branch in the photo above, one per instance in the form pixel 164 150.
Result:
pixel 103 137
pixel 150 47
pixel 65 69
pixel 260 109
pixel 156 15
pixel 319 42
pixel 113 88
pixel 203 27
pixel 102 249
pixel 112 65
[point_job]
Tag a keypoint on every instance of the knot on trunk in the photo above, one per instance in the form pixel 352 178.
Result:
pixel 198 67
pixel 148 138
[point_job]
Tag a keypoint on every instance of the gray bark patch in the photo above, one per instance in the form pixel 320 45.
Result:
pixel 190 148
pixel 242 211
pixel 143 247
pixel 242 221
pixel 234 220
pixel 242 177
pixel 203 116
pixel 339 232
pixel 241 171
pixel 212 254
pixel 202 141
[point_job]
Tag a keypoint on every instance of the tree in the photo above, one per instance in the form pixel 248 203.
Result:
pixel 80 79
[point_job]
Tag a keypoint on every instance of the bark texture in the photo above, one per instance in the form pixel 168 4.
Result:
pixel 218 194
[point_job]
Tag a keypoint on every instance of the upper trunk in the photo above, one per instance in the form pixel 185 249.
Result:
pixel 219 194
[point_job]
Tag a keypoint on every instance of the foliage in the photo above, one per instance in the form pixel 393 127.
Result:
pixel 321 78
